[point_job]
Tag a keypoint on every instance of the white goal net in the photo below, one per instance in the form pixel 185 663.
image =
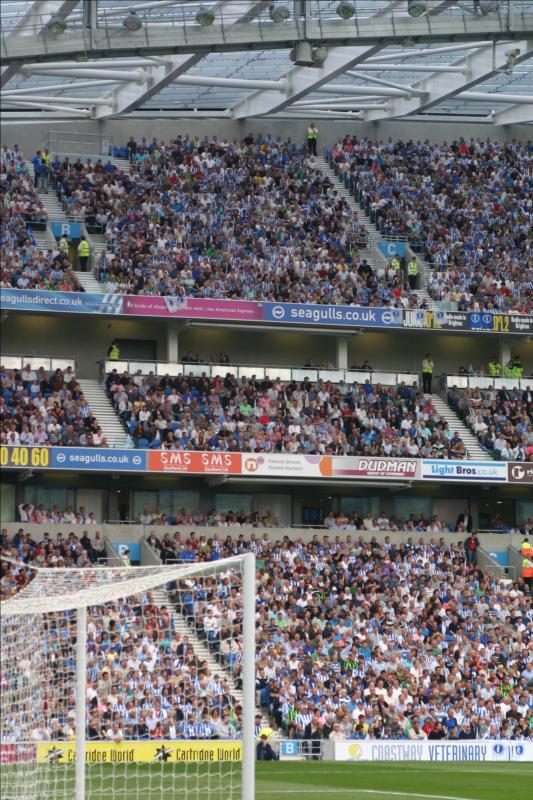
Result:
pixel 130 683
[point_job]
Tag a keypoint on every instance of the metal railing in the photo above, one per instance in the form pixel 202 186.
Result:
pixel 80 143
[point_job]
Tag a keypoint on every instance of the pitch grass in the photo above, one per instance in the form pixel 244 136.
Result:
pixel 289 780
pixel 397 781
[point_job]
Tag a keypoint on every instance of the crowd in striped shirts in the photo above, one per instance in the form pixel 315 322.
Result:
pixel 466 205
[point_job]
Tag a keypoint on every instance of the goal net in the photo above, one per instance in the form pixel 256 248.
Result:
pixel 130 683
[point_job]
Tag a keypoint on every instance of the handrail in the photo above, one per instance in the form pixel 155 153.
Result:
pixel 298 374
pixel 486 381
pixel 47 362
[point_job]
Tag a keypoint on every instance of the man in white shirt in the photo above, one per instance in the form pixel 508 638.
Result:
pixel 25 511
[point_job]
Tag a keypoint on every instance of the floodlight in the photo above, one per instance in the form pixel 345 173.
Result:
pixel 56 25
pixel 345 10
pixel 205 17
pixel 278 12
pixel 132 22
pixel 415 8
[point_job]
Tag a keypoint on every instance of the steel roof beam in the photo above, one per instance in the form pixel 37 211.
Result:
pixel 130 96
pixel 485 63
pixel 515 115
pixel 43 10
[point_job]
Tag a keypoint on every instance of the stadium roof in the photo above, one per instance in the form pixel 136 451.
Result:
pixel 363 59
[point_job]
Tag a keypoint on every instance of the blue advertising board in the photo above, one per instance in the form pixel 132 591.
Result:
pixel 281 313
pixel 390 249
pixel 345 316
pixel 93 458
pixel 74 458
pixel 133 547
pixel 63 302
pixel 72 230
pixel 479 321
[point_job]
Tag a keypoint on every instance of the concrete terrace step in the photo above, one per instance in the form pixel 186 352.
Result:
pixel 89 282
pixel 424 267
pixel 472 445
pixel 104 412
pixel 181 625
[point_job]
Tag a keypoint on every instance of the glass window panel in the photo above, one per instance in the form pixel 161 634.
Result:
pixel 36 362
pixel 171 502
pixel 7 502
pixel 63 364
pixel 273 373
pixel 145 367
pixel 49 497
pixel 301 374
pixel 524 509
pixel 172 367
pixel 11 362
pixel 404 506
pixel 360 504
pixel 144 500
pixel 225 503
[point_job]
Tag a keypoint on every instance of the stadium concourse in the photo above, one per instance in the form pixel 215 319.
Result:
pixel 266 399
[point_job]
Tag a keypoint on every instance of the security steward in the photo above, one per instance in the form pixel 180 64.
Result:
pixel 495 368
pixel 84 251
pixel 312 136
pixel 113 352
pixel 427 373
pixel 412 273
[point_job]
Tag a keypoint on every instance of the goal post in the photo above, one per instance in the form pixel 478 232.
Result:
pixel 111 692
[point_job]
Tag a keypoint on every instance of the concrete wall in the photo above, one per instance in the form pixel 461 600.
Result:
pixel 88 338
pixel 136 533
pixel 32 136
pixel 85 338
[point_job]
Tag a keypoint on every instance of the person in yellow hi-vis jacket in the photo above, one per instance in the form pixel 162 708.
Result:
pixel 84 251
pixel 427 373
pixel 312 136
pixel 412 272
pixel 64 246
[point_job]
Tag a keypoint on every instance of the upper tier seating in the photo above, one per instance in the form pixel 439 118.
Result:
pixel 209 218
pixel 467 205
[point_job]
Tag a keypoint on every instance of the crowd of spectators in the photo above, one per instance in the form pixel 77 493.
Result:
pixel 44 408
pixel 24 264
pixel 53 552
pixel 210 519
pixel 54 516
pixel 502 419
pixel 465 204
pixel 254 220
pixel 250 415
pixel 357 639
pixel 144 679
pixel 365 640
